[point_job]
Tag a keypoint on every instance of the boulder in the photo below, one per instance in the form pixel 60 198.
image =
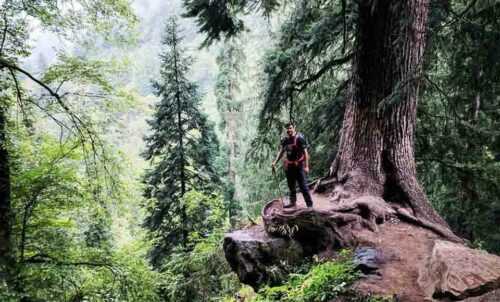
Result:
pixel 368 259
pixel 458 272
pixel 258 258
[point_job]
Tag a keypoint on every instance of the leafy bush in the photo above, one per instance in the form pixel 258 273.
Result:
pixel 319 282
pixel 199 271
pixel 201 274
pixel 325 281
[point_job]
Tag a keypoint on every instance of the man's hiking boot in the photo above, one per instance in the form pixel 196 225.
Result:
pixel 289 205
pixel 310 205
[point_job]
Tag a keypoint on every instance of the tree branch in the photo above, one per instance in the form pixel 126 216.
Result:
pixel 77 122
pixel 47 259
pixel 459 16
pixel 335 62
pixel 40 184
pixel 19 98
pixel 4 35
pixel 5 63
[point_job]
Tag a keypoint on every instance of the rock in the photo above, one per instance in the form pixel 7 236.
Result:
pixel 367 259
pixel 493 296
pixel 258 258
pixel 457 272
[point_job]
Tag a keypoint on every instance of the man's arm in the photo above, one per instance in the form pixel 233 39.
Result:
pixel 280 154
pixel 306 161
pixel 305 145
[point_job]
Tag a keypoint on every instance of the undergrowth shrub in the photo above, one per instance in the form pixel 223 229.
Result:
pixel 323 281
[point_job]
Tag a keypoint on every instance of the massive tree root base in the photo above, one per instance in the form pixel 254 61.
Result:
pixel 416 260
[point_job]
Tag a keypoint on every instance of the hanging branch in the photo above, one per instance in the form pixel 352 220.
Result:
pixel 301 85
pixel 85 133
pixel 18 92
pixel 82 130
pixel 37 190
pixel 11 67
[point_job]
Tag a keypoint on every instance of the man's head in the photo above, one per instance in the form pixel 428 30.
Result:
pixel 290 128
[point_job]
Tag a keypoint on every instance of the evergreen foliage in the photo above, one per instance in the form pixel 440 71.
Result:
pixel 181 149
pixel 230 60
pixel 457 148
pixel 220 18
pixel 201 273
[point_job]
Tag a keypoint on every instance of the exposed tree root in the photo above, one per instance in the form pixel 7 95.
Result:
pixel 354 194
pixel 436 228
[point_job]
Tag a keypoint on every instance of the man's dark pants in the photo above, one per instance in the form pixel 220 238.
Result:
pixel 295 174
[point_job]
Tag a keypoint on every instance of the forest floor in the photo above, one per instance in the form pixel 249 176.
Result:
pixel 404 246
pixel 320 201
pixel 415 264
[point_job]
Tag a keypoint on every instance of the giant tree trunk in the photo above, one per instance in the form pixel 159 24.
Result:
pixel 378 206
pixel 377 141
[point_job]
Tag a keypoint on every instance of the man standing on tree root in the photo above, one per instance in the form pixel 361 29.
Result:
pixel 296 164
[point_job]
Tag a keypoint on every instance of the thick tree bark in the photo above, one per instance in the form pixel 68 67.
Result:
pixel 376 147
pixel 5 208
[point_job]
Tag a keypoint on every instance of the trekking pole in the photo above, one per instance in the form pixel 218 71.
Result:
pixel 278 186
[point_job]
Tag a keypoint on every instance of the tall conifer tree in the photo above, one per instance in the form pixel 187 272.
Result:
pixel 230 108
pixel 181 149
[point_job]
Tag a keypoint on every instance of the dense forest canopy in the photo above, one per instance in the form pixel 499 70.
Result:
pixel 135 134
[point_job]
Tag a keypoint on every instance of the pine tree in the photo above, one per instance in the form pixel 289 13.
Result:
pixel 456 142
pixel 229 104
pixel 181 149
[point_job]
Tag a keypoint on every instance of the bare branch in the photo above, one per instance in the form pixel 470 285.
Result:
pixel 60 85
pixel 45 111
pixel 18 89
pixel 463 13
